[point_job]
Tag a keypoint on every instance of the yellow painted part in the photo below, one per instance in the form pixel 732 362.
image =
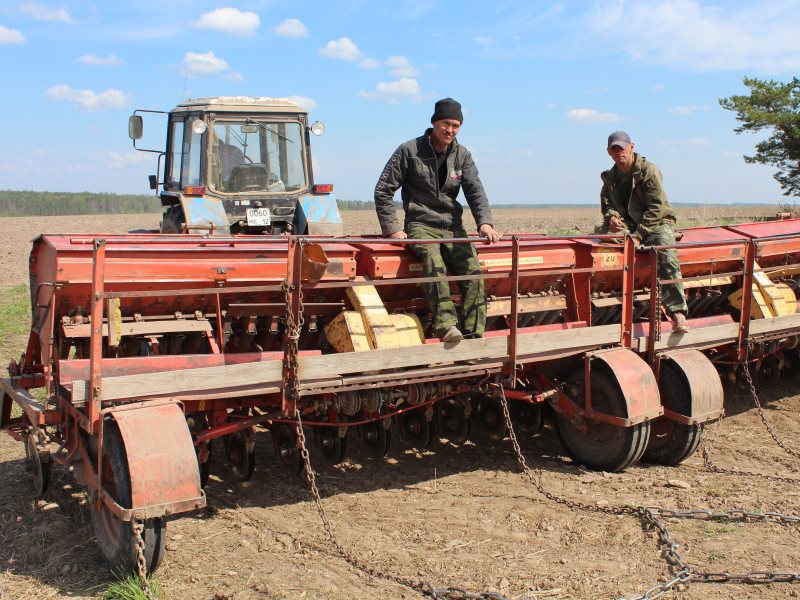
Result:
pixel 117 317
pixel 758 307
pixel 769 299
pixel 371 326
pixel 347 333
pixel 708 282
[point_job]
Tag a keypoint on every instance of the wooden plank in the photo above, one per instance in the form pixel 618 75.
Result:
pixel 141 328
pixel 329 366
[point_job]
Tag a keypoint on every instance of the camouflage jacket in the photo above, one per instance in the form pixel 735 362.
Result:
pixel 647 206
pixel 412 168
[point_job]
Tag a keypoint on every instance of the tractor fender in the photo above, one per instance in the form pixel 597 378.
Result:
pixel 162 464
pixel 205 214
pixel 636 381
pixel 705 387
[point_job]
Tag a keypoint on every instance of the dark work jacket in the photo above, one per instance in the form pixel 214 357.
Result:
pixel 412 167
pixel 646 208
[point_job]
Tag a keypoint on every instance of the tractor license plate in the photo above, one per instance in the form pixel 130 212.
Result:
pixel 258 217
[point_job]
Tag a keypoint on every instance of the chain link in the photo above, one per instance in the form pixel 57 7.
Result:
pixel 748 377
pixel 652 516
pixel 141 563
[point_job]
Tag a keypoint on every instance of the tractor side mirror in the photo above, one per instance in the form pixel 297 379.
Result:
pixel 135 127
pixel 153 182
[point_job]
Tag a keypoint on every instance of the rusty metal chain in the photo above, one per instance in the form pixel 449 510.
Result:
pixel 652 516
pixel 761 414
pixel 714 468
pixel 141 563
pixel 426 589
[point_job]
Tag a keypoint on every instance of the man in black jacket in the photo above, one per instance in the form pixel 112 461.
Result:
pixel 431 170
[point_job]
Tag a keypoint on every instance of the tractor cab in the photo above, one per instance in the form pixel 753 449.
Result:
pixel 240 165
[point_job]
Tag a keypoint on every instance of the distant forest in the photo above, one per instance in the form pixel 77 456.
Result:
pixel 26 203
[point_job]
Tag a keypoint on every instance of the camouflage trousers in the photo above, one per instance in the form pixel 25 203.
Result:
pixel 459 259
pixel 668 268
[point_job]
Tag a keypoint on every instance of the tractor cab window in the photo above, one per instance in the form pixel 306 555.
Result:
pixel 184 156
pixel 257 156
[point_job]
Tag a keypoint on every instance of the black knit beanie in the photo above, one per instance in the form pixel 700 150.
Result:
pixel 447 108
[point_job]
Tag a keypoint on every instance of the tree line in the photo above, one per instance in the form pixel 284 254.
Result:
pixel 29 203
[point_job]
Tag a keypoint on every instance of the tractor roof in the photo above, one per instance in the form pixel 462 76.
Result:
pixel 239 104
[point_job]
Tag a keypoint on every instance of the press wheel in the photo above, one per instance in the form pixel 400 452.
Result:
pixel 242 462
pixel 672 442
pixel 489 417
pixel 451 421
pixel 376 438
pixel 769 374
pixel 527 417
pixel 115 537
pixel 331 445
pixel 603 446
pixel 415 429
pixel 285 443
pixel 38 464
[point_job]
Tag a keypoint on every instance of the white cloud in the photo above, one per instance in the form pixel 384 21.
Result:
pixel 115 160
pixel 688 110
pixel 46 13
pixel 483 40
pixel 292 28
pixel 686 34
pixel 308 103
pixel 589 115
pixel 401 66
pixel 369 63
pixel 87 99
pixel 342 49
pixel 11 36
pixel 200 65
pixel 659 87
pixel 229 20
pixel 112 60
pixel 393 92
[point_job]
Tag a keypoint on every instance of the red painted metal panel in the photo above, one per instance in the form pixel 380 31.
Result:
pixel 707 394
pixel 161 457
pixel 636 380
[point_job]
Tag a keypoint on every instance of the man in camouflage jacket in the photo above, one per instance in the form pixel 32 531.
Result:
pixel 431 170
pixel 633 200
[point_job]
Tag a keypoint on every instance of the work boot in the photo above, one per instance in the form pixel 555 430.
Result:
pixel 679 324
pixel 452 335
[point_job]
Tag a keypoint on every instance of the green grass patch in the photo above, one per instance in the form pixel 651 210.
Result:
pixel 15 312
pixel 129 589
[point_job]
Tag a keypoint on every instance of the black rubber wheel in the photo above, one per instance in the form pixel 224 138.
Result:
pixel 671 443
pixel 38 464
pixel 375 438
pixel 286 451
pixel 115 538
pixel 791 365
pixel 528 418
pixel 415 429
pixel 242 462
pixel 489 418
pixel 172 220
pixel 451 421
pixel 603 446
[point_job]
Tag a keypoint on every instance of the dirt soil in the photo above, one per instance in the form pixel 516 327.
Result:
pixel 465 517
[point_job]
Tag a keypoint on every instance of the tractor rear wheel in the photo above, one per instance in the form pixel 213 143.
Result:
pixel 172 221
pixel 603 446
pixel 671 442
pixel 115 537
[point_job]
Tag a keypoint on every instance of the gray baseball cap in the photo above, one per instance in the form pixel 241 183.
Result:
pixel 619 139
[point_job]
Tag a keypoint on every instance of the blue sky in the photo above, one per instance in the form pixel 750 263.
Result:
pixel 542 85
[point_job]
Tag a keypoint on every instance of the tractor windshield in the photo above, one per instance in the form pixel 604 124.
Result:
pixel 257 156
